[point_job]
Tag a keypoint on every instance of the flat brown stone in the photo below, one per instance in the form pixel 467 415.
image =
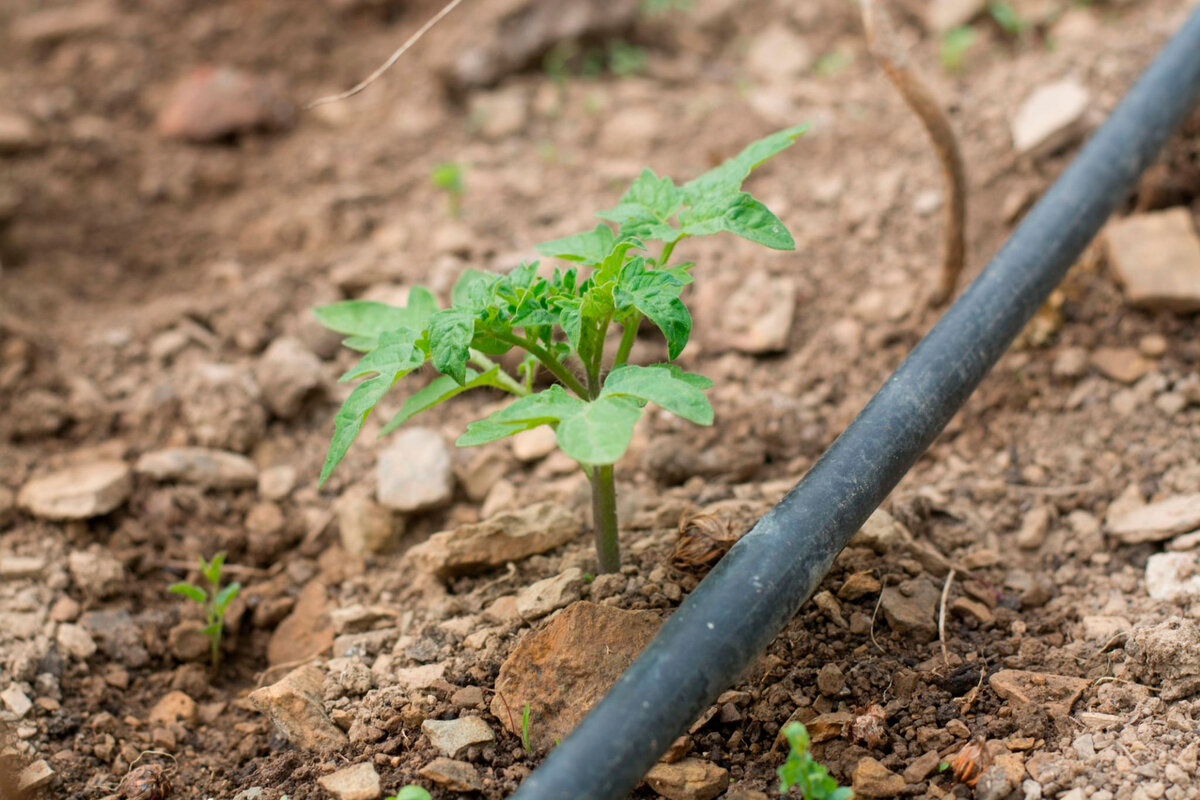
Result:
pixel 564 669
pixel 306 632
pixel 1156 256
pixel 1056 693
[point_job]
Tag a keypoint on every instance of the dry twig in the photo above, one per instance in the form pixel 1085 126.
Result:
pixel 885 48
pixel 392 59
pixel 942 617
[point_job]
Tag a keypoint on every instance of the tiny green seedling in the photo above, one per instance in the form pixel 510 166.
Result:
pixel 561 321
pixel 449 178
pixel 215 601
pixel 411 792
pixel 525 730
pixel 1007 17
pixel 955 44
pixel 803 771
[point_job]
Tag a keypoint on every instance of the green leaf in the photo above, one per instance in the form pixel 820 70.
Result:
pixel 547 407
pixel 213 631
pixel 395 351
pixel 395 357
pixel 365 320
pixel 665 385
pixel 655 293
pixel 440 389
pixel 412 792
pixel 212 569
pixel 601 431
pixel 741 215
pixel 473 289
pixel 589 248
pixel 728 177
pixel 570 319
pixel 225 597
pixel 450 334
pixel 189 591
pixel 645 210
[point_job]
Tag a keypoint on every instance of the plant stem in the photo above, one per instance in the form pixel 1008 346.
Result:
pixel 548 361
pixel 628 337
pixel 508 382
pixel 668 248
pixel 604 517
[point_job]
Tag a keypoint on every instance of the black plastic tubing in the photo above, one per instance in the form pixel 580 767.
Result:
pixel 747 599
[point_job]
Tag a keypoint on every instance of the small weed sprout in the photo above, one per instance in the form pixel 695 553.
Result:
pixel 449 178
pixel 803 771
pixel 561 324
pixel 525 730
pixel 1007 17
pixel 411 792
pixel 215 602
pixel 955 44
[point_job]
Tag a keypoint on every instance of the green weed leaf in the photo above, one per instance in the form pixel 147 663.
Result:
pixel 189 591
pixel 412 792
pixel 665 385
pixel 225 597
pixel 601 431
pixel 395 351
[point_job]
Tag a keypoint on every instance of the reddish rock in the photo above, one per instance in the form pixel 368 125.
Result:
pixel 306 632
pixel 215 102
pixel 564 669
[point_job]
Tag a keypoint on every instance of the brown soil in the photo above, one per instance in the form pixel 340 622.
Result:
pixel 131 261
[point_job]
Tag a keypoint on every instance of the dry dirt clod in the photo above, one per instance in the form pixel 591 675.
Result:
pixel 550 594
pixel 306 632
pixel 563 669
pixel 359 782
pixel 415 471
pixel 79 492
pixel 688 779
pixel 1166 654
pixel 213 103
pixel 453 736
pixel 222 407
pixel 873 779
pixel 364 525
pixel 457 776
pixel 213 469
pixel 1173 576
pixel 1156 257
pixel 1056 693
pixel 1052 117
pixel 289 374
pixel 508 536
pixel 1157 521
pixel 95 572
pixel 911 609
pixel 294 706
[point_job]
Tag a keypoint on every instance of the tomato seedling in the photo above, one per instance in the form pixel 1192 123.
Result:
pixel 561 322
pixel 215 602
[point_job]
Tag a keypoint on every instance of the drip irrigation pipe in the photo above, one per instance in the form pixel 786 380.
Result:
pixel 760 584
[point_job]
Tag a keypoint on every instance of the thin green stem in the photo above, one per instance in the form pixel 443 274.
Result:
pixel 507 382
pixel 628 337
pixel 597 362
pixel 604 517
pixel 668 248
pixel 548 361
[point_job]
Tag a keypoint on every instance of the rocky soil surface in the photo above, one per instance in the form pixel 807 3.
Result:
pixel 169 214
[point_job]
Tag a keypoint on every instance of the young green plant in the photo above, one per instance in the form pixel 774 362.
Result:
pixel 214 600
pixel 561 321
pixel 803 771
pixel 411 792
pixel 449 178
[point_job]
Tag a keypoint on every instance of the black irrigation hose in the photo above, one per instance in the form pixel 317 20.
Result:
pixel 740 607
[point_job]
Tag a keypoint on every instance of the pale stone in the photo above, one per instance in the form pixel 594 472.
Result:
pixel 213 469
pixel 454 736
pixel 78 492
pixel 359 782
pixel 1156 257
pixel 415 472
pixel 1050 118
